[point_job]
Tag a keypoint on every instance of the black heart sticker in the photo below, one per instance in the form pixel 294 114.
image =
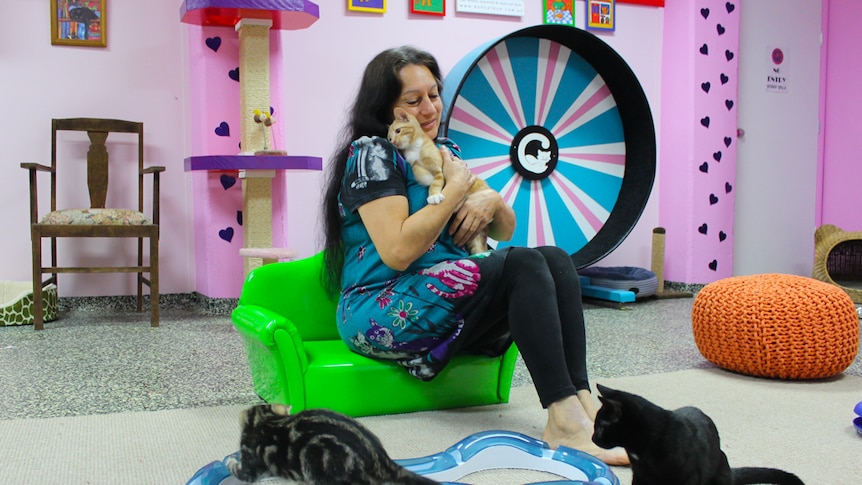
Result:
pixel 721 236
pixel 704 12
pixel 703 229
pixel 717 156
pixel 705 121
pixel 729 6
pixel 713 199
pixel 727 187
pixel 705 86
pixel 728 55
pixel 719 28
pixel 727 141
pixel 213 43
pixel 234 74
pixel 704 167
pixel 227 181
pixel 222 129
pixel 713 265
pixel 226 234
pixel 724 78
pixel 704 50
pixel 239 217
pixel 729 104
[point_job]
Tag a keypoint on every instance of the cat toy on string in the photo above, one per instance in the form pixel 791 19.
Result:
pixel 265 119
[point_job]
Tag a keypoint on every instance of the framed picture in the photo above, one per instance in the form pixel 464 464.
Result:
pixel 429 7
pixel 78 22
pixel 601 15
pixel 560 12
pixel 378 6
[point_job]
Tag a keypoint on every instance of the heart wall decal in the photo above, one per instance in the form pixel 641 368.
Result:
pixel 226 234
pixel 223 129
pixel 213 43
pixel 227 181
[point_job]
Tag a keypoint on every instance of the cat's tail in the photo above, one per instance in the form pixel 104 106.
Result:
pixel 750 475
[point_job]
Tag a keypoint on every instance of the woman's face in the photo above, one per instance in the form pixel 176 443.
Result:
pixel 420 97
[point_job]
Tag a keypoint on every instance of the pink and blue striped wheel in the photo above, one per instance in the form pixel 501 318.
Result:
pixel 555 120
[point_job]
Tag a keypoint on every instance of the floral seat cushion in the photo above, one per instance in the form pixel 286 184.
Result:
pixel 103 217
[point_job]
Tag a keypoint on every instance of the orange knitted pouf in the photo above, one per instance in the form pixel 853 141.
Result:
pixel 776 325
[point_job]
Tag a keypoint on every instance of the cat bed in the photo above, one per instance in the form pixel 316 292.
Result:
pixel 487 450
pixel 16 298
pixel 639 281
pixel 838 259
pixel 776 325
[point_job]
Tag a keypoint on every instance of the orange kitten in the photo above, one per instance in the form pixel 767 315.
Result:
pixel 424 157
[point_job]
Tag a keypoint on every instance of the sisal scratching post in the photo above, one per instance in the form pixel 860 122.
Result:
pixel 254 94
pixel 658 236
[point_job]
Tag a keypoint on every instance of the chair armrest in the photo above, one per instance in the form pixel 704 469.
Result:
pixel 36 166
pixel 155 170
pixel 262 325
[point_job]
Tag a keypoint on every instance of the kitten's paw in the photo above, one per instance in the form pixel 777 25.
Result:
pixel 232 464
pixel 435 199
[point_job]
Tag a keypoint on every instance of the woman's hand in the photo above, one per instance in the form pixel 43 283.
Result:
pixel 481 209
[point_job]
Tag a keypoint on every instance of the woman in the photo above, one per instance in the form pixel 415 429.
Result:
pixel 410 292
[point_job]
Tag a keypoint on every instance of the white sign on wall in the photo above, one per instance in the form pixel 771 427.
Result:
pixel 776 77
pixel 513 8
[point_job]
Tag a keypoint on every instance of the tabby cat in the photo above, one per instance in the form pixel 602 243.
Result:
pixel 315 446
pixel 679 447
pixel 424 157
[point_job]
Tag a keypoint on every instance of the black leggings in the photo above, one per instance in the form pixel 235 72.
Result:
pixel 539 302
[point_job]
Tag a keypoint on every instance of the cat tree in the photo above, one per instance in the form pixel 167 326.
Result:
pixel 256 165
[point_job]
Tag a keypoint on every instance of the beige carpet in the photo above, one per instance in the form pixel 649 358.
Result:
pixel 804 427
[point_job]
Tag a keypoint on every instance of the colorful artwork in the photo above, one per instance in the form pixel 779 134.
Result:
pixel 560 12
pixel 601 15
pixel 78 22
pixel 429 7
pixel 377 6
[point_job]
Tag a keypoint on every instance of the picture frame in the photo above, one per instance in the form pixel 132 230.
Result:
pixel 376 6
pixel 601 15
pixel 559 12
pixel 428 7
pixel 79 22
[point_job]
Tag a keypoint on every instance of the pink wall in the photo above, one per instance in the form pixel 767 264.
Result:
pixel 698 141
pixel 842 145
pixel 141 75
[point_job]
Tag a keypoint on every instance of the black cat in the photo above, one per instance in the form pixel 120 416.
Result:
pixel 679 447
pixel 315 446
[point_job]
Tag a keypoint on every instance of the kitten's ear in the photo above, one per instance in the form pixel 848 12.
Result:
pixel 401 114
pixel 280 409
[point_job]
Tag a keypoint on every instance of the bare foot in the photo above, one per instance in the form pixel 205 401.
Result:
pixel 570 425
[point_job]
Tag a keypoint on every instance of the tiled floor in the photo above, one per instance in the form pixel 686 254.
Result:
pixel 104 358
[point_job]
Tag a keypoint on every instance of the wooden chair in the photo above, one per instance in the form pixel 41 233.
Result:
pixel 97 220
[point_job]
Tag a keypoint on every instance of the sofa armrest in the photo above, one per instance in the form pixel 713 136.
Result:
pixel 273 331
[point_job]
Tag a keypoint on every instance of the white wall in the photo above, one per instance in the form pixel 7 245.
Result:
pixel 139 76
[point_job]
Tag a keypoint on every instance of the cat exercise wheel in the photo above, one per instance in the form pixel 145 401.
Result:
pixel 555 120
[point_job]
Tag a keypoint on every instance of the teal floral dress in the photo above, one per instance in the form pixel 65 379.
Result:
pixel 438 306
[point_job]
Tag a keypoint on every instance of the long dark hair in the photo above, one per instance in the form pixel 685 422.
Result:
pixel 370 116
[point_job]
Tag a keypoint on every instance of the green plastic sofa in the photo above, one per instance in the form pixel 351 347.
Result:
pixel 287 322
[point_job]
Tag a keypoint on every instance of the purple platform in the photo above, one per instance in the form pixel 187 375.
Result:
pixel 285 14
pixel 251 162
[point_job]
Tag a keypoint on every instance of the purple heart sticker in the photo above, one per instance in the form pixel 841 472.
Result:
pixel 213 43
pixel 227 181
pixel 234 74
pixel 226 234
pixel 222 129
